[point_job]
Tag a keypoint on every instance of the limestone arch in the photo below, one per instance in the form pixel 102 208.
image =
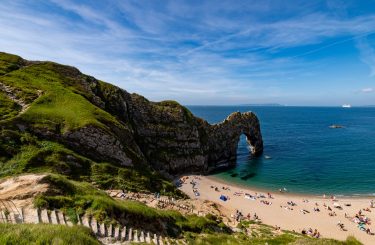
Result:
pixel 225 136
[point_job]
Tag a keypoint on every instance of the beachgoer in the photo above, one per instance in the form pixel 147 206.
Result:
pixel 248 216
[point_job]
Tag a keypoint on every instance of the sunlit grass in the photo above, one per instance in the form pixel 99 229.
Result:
pixel 25 234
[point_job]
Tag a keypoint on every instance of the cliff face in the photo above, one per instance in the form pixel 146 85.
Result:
pixel 105 123
pixel 173 140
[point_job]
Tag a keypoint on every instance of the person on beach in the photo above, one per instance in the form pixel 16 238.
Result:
pixel 248 216
pixel 341 225
pixel 255 216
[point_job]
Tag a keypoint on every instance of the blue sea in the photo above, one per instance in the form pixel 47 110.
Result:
pixel 307 156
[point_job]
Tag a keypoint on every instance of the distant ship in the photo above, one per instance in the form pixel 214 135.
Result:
pixel 346 106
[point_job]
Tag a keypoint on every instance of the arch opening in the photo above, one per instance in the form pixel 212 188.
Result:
pixel 250 144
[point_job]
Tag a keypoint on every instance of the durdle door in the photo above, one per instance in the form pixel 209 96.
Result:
pixel 175 141
pixel 224 137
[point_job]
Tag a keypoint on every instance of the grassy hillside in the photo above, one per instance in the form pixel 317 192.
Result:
pixel 25 153
pixel 82 197
pixel 30 234
pixel 9 62
pixel 8 108
pixel 60 100
pixel 58 234
pixel 56 98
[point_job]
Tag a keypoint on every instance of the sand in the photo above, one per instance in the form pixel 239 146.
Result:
pixel 289 219
pixel 22 189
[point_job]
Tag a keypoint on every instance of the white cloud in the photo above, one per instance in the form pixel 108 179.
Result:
pixel 178 50
pixel 367 54
pixel 367 90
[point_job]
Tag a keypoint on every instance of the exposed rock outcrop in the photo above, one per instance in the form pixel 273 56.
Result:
pixel 175 141
pixel 104 144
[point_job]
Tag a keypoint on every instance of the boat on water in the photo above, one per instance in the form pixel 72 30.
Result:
pixel 346 106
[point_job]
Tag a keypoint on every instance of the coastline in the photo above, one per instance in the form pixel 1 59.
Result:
pixel 278 213
pixel 292 194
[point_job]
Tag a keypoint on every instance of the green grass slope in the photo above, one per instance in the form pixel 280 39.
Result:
pixel 9 62
pixel 59 105
pixel 30 234
pixel 8 108
pixel 81 197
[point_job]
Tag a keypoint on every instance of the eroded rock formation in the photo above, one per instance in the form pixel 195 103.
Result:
pixel 223 139
pixel 175 141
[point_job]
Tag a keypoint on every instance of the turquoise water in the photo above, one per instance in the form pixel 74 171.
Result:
pixel 306 155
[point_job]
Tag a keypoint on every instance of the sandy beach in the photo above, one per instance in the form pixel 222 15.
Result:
pixel 276 211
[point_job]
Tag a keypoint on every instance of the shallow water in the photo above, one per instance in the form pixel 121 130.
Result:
pixel 306 155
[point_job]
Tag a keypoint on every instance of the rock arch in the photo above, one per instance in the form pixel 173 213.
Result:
pixel 224 138
pixel 174 141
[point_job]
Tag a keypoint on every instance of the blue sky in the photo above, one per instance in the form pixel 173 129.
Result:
pixel 206 52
